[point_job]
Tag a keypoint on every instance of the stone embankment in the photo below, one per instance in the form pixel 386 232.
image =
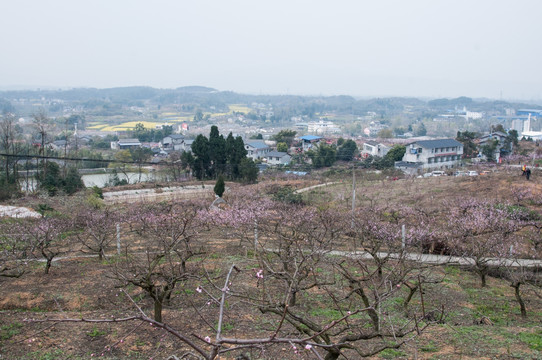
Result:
pixel 158 194
pixel 17 212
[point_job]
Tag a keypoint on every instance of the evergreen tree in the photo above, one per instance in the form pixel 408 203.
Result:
pixel 324 155
pixel 469 146
pixel 286 136
pixel 73 181
pixel 200 149
pixel 282 147
pixel 248 171
pixel 49 178
pixel 347 150
pixel 229 148
pixel 422 131
pixel 237 154
pixel 217 152
pixel 220 187
pixel 396 153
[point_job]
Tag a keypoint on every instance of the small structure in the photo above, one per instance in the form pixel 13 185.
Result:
pixel 277 158
pixel 173 142
pixel 309 141
pixel 256 149
pixel 187 145
pixel 501 145
pixel 374 148
pixel 322 127
pixel 58 145
pixel 123 144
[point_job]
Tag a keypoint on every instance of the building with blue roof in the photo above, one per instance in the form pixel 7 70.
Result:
pixel 309 141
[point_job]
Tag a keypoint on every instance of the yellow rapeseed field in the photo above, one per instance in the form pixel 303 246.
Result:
pixel 239 108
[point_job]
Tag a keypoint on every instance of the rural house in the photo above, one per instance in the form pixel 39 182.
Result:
pixel 374 148
pixel 256 149
pixel 123 144
pixel 432 154
pixel 277 158
pixel 309 141
pixel 499 139
pixel 173 142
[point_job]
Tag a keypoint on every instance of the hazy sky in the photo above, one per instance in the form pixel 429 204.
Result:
pixel 356 47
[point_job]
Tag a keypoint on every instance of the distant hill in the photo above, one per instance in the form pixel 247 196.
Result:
pixel 196 89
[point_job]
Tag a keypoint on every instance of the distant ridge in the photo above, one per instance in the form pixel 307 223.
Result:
pixel 196 89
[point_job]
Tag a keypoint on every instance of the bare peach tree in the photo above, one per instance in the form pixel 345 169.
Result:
pixel 298 256
pixel 482 232
pixel 46 237
pixel 159 260
pixel 98 229
pixel 13 251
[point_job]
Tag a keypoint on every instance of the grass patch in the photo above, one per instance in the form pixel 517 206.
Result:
pixel 9 331
pixel 430 347
pixel 47 355
pixel 327 313
pixel 95 332
pixel 533 340
pixel 392 354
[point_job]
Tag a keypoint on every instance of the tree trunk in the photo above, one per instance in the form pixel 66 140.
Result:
pixel 158 310
pixel 516 286
pixel 410 295
pixel 48 265
pixel 293 296
pixel 332 355
pixel 483 279
pixel 372 312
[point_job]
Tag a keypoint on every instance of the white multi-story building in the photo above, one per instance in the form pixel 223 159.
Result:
pixel 434 154
pixel 322 127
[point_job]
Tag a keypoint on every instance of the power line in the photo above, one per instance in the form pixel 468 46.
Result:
pixel 28 156
pixel 111 161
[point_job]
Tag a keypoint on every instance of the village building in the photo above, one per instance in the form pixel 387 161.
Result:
pixel 432 154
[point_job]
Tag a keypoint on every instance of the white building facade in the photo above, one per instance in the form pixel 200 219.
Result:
pixel 434 154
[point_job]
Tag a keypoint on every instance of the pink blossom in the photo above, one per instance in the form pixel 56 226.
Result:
pixel 308 347
pixel 208 339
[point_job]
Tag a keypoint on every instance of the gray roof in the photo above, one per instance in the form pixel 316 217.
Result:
pixel 493 134
pixel 257 144
pixel 275 154
pixel 406 164
pixel 129 141
pixel 432 144
pixel 371 142
pixel 176 136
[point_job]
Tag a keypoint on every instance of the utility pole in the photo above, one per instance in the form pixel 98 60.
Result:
pixel 353 192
